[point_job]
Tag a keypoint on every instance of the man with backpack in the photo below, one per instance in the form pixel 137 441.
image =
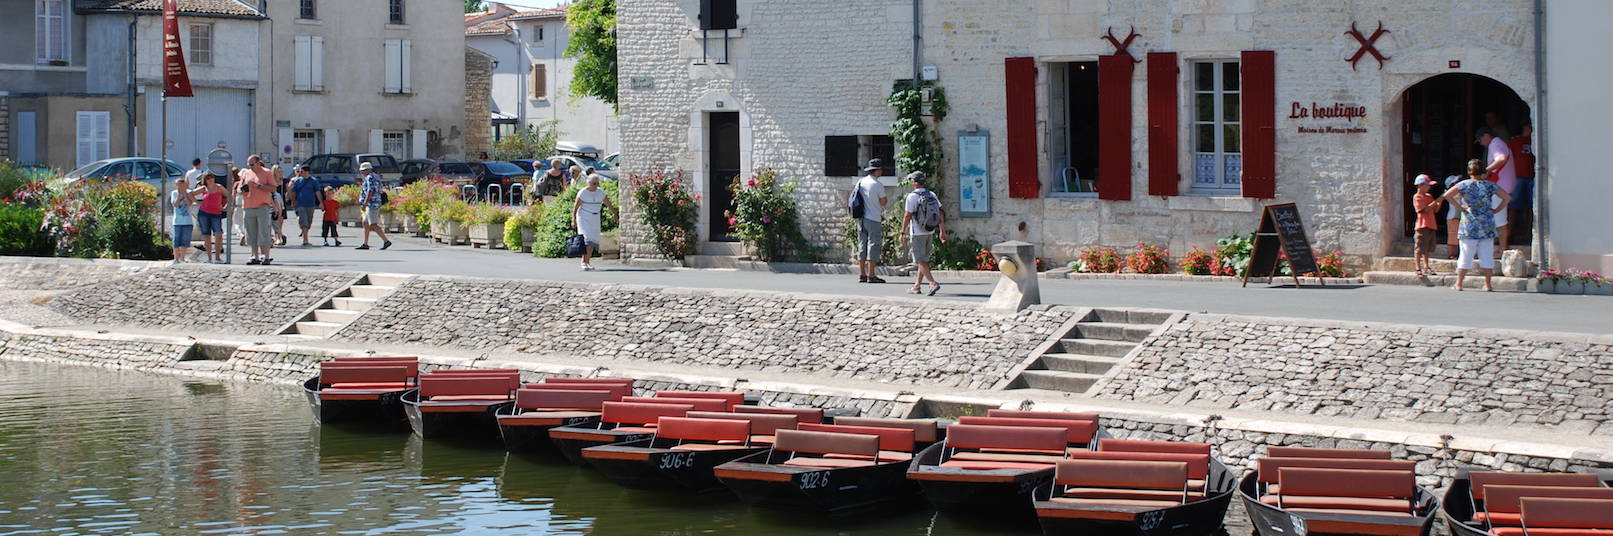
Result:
pixel 867 200
pixel 923 217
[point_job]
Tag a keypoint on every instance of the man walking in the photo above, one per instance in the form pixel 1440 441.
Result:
pixel 867 201
pixel 370 203
pixel 257 199
pixel 922 217
pixel 306 197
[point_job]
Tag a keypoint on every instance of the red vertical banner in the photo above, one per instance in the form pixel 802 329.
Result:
pixel 1114 127
pixel 1024 177
pixel 1164 166
pixel 175 78
pixel 1259 124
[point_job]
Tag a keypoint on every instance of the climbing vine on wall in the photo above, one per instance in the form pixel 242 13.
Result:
pixel 920 145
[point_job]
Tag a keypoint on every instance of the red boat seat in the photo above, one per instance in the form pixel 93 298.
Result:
pixel 1054 415
pixel 988 466
pixel 373 386
pixel 1503 504
pixel 560 399
pixel 640 413
pixel 1479 480
pixel 1135 445
pixel 468 398
pixel 1103 509
pixel 700 404
pixel 1310 452
pixel 1351 490
pixel 731 398
pixel 1038 440
pixel 543 415
pixel 924 430
pixel 617 392
pixel 829 463
pixel 411 365
pixel 1115 490
pixel 368 374
pixel 707 446
pixel 597 381
pixel 810 442
pixel 890 439
pixel 438 387
pixel 1140 494
pixel 1339 503
pixel 802 415
pixel 1268 469
pixel 1078 432
pixel 1198 465
pixel 1007 457
pixel 761 424
pixel 706 430
pixel 1554 516
pixel 1363 523
pixel 634 429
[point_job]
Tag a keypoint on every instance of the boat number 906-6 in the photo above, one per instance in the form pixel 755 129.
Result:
pixel 815 480
pixel 677 460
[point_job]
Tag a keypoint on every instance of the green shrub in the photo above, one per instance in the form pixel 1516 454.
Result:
pixel 764 217
pixel 20 233
pixel 121 224
pixel 553 226
pixel 956 253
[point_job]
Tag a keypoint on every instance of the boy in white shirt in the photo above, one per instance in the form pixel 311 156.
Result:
pixel 922 218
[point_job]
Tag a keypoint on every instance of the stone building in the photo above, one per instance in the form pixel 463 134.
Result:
pixel 1163 121
pixel 532 76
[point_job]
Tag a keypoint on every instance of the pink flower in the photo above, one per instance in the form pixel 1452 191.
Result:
pixel 680 202
pixel 732 222
pixel 751 183
pixel 767 219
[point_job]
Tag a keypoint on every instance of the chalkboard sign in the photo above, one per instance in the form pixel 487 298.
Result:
pixel 1280 230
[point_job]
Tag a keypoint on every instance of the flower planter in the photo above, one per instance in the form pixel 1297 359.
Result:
pixel 450 232
pixel 486 234
pixel 409 223
pixel 1571 288
pixel 1600 289
pixel 349 215
pixel 391 222
pixel 610 245
pixel 1546 286
pixel 528 236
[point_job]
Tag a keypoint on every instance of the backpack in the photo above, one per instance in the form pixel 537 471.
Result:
pixel 929 211
pixel 857 206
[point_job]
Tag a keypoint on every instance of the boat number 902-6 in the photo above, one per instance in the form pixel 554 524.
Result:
pixel 815 480
pixel 677 460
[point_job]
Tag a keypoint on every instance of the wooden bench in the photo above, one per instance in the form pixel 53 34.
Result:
pixel 1351 501
pixel 367 382
pixel 730 398
pixel 1078 433
pixel 1310 452
pixel 685 433
pixel 802 415
pixel 1544 516
pixel 1267 470
pixel 895 444
pixel 1054 415
pixel 700 404
pixel 1034 447
pixel 834 449
pixel 1114 490
pixel 924 430
pixel 617 391
pixel 1503 506
pixel 464 393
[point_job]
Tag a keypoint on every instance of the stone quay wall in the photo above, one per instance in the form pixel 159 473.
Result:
pixel 44 273
pixel 886 340
pixel 1437 375
pixel 202 298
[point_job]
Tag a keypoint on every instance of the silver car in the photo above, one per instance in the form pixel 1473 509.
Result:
pixel 146 170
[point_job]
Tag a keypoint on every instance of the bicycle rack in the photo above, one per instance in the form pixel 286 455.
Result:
pixel 468 192
pixel 495 194
pixel 517 194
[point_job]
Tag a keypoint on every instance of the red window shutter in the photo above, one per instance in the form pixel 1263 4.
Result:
pixel 1164 168
pixel 1114 127
pixel 1259 124
pixel 1024 175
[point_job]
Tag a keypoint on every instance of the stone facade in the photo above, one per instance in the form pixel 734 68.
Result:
pixel 1369 372
pixel 203 298
pixel 478 102
pixel 790 79
pixel 898 341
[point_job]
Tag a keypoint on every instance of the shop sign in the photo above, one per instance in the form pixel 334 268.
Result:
pixel 1318 111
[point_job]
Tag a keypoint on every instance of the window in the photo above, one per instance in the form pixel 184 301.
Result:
pixel 201 44
pixel 537 32
pixel 397 66
pixel 310 55
pixel 1217 134
pixel 50 31
pixel 540 81
pixel 1073 126
pixel 147 171
pixel 394 11
pixel 395 143
pixel 94 131
pixel 305 10
pixel 845 156
pixel 304 144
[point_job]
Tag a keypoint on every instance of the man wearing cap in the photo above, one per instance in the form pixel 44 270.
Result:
pixel 369 202
pixel 1503 171
pixel 1427 208
pixel 257 201
pixel 306 196
pixel 922 217
pixel 869 228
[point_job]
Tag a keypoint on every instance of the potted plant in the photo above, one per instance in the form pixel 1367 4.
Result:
pixel 448 221
pixel 519 229
pixel 1572 282
pixel 348 197
pixel 1546 281
pixel 486 225
pixel 1598 285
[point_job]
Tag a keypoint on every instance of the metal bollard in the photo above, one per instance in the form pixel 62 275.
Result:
pixel 468 192
pixel 494 194
pixel 517 194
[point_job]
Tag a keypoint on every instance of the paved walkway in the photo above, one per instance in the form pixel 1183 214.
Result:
pixel 1397 304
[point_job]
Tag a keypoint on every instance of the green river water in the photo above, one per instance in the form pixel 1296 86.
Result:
pixel 92 451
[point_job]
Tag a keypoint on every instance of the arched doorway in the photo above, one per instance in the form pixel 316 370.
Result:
pixel 1441 115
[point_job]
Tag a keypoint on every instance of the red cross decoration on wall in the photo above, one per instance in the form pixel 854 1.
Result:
pixel 1122 47
pixel 1369 45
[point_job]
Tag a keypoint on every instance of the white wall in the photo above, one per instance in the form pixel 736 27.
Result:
pixel 1572 137
pixel 588 120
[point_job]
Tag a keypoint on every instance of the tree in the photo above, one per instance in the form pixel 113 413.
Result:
pixel 593 43
pixel 472 6
pixel 537 141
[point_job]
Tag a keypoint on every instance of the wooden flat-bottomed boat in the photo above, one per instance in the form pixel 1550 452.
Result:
pixel 1336 492
pixel 619 422
pixel 680 455
pixel 1488 503
pixel 459 403
pixel 365 389
pixel 539 408
pixel 826 468
pixel 1130 487
pixel 995 463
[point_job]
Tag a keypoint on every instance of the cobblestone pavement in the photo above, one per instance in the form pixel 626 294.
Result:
pixel 1410 305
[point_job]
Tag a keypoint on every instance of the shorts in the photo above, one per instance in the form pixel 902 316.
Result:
pixel 182 235
pixel 870 234
pixel 1483 248
pixel 258 225
pixel 1523 195
pixel 922 244
pixel 372 215
pixel 305 217
pixel 212 224
pixel 1426 238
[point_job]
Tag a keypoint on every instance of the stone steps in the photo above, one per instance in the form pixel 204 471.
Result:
pixel 318 329
pixel 352 304
pixel 1114 331
pixel 1092 348
pixel 1054 380
pixel 342 309
pixel 374 292
pixel 1086 364
pixel 335 316
pixel 1446 279
pixel 1097 347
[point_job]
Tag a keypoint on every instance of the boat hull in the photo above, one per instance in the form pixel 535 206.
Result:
pixel 529 435
pixel 475 424
pixel 635 465
pixel 1457 507
pixel 1199 518
pixel 995 492
pixel 1272 521
pixel 571 440
pixel 813 489
pixel 386 408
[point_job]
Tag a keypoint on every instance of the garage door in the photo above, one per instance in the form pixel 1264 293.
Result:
pixel 198 124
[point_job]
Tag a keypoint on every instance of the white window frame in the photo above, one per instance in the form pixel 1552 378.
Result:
pixel 309 57
pixel 402 16
pixel 47 27
pixel 304 144
pixel 200 55
pixel 396 58
pixel 93 134
pixel 396 143
pixel 1224 179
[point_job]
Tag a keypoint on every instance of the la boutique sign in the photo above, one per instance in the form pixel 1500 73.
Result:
pixel 1338 110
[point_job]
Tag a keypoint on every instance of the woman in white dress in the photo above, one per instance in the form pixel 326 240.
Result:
pixel 585 217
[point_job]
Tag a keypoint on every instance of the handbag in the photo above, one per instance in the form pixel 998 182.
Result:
pixel 576 246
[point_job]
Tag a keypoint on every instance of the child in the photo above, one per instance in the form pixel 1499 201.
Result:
pixel 333 210
pixel 1427 208
pixel 1453 221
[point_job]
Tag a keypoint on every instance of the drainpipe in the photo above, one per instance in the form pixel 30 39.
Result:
pixel 129 108
pixel 918 26
pixel 1542 240
pixel 520 77
pixel 257 93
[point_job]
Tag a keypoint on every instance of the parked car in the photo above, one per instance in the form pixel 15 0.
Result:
pixel 453 173
pixel 585 156
pixel 503 174
pixel 146 170
pixel 529 165
pixel 416 169
pixel 612 161
pixel 341 169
